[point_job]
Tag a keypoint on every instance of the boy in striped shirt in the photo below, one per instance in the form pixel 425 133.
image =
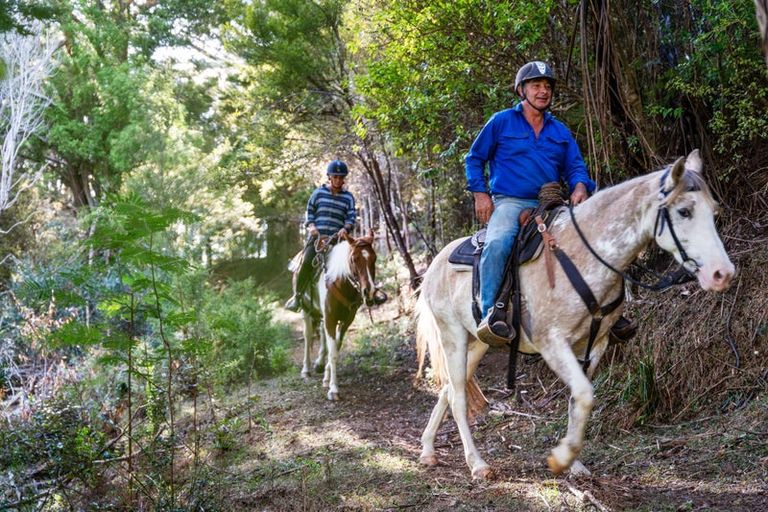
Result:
pixel 330 211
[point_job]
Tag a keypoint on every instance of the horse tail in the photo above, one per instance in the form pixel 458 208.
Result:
pixel 428 340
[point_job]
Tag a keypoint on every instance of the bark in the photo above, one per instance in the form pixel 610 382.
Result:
pixel 761 11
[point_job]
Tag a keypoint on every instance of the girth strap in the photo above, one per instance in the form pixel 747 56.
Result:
pixel 582 288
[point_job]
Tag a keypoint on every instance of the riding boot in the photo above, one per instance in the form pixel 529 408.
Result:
pixel 303 276
pixel 622 331
pixel 294 303
pixel 496 328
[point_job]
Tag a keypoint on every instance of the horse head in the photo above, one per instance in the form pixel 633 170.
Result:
pixel 685 224
pixel 362 263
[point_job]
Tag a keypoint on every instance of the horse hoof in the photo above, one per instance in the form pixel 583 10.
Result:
pixel 333 396
pixel 428 460
pixel 483 473
pixel 305 377
pixel 579 469
pixel 554 466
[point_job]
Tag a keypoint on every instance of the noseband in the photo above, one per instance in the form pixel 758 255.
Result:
pixel 689 267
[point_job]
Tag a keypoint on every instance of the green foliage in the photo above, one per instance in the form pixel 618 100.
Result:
pixel 640 391
pixel 59 438
pixel 723 72
pixel 245 339
pixel 19 14
pixel 439 70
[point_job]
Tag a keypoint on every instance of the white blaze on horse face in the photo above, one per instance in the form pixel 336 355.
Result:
pixel 693 221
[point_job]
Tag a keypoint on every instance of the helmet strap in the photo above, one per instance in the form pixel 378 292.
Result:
pixel 542 110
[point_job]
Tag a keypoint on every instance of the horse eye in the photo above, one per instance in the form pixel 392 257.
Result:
pixel 684 213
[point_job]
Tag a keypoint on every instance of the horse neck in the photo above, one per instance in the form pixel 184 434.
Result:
pixel 618 221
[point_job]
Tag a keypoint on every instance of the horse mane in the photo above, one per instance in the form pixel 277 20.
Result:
pixel 337 266
pixel 692 180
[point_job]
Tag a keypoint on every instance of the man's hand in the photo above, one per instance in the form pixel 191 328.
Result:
pixel 483 207
pixel 313 232
pixel 342 233
pixel 579 194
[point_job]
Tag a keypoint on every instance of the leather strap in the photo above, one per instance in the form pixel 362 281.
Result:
pixel 341 297
pixel 582 288
pixel 551 245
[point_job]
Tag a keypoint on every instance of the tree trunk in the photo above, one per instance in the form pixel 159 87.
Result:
pixel 761 11
pixel 383 196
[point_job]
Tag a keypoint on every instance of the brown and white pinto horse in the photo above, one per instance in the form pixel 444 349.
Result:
pixel 618 223
pixel 347 283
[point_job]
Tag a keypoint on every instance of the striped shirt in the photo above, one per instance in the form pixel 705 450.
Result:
pixel 330 212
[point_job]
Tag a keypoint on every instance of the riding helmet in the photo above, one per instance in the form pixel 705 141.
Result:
pixel 337 168
pixel 532 70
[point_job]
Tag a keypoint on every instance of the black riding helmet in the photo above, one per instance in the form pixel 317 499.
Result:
pixel 337 168
pixel 532 70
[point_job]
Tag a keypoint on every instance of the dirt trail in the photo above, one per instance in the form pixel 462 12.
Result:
pixel 361 453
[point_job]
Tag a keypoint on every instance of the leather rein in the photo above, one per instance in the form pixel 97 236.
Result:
pixel 686 272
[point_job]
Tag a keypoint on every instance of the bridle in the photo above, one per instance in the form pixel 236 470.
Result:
pixel 356 282
pixel 353 279
pixel 687 270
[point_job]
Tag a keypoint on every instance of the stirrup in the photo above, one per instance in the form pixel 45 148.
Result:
pixel 622 331
pixel 494 332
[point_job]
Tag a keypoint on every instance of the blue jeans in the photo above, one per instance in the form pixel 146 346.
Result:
pixel 502 230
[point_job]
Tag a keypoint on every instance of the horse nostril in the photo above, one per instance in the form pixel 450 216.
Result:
pixel 718 276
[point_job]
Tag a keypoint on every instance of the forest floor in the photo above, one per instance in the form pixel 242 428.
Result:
pixel 304 453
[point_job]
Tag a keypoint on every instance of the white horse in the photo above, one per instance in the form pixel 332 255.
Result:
pixel 618 222
pixel 347 282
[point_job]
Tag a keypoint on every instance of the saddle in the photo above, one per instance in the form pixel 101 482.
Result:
pixel 527 247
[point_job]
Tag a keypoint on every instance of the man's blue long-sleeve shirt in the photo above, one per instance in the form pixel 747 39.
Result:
pixel 519 162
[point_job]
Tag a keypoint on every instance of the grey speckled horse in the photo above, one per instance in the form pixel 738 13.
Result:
pixel 619 222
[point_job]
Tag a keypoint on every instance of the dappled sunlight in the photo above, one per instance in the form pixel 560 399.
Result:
pixel 383 461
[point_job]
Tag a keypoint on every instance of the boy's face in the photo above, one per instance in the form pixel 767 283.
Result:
pixel 337 182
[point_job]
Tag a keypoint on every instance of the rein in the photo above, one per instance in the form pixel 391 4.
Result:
pixel 682 275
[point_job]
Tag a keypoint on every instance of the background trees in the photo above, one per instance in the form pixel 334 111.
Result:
pixel 182 138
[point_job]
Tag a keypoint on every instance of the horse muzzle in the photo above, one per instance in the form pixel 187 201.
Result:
pixel 716 278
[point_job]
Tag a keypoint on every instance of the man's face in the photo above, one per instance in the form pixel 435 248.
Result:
pixel 538 92
pixel 337 182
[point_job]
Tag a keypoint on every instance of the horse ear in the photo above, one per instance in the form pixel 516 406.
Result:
pixel 674 175
pixel 694 162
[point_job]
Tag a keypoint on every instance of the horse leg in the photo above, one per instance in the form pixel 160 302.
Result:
pixel 456 357
pixel 577 468
pixel 309 333
pixel 560 358
pixel 333 344
pixel 428 456
pixel 322 352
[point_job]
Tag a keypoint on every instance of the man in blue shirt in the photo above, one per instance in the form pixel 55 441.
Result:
pixel 523 147
pixel 330 211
